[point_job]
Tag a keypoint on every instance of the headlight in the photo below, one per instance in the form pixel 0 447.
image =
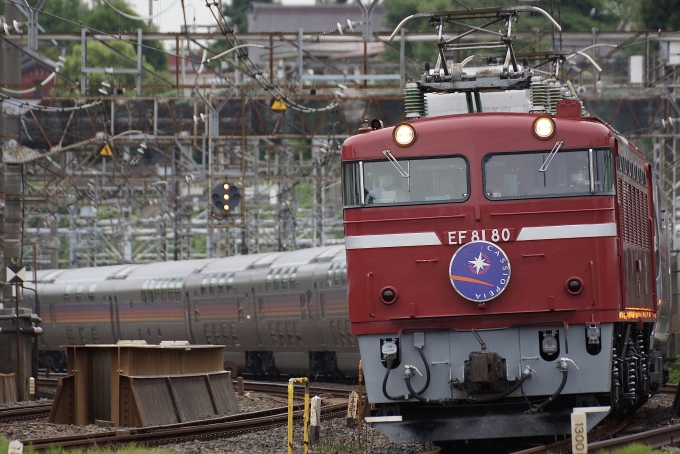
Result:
pixel 404 135
pixel 544 128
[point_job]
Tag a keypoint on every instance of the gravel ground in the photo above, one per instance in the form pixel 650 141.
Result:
pixel 334 435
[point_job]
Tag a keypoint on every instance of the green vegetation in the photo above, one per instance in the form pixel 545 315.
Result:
pixel 634 449
pixel 4 445
pixel 674 370
pixel 99 17
pixel 660 14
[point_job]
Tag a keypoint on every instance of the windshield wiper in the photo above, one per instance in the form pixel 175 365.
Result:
pixel 552 154
pixel 400 169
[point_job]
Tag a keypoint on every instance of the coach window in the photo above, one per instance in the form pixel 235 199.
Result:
pixel 157 291
pixel 293 275
pixel 539 175
pixel 277 277
pixel 79 292
pixel 268 279
pixel 285 277
pixel 213 283
pixel 91 292
pixel 337 274
pixel 67 292
pixel 221 283
pixel 178 289
pixel 329 275
pixel 145 288
pixel 164 290
pixel 204 284
pixel 230 282
pixel 406 181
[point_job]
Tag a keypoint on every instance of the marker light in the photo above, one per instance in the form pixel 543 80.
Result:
pixel 226 196
pixel 549 344
pixel 226 186
pixel 574 285
pixel 388 295
pixel 544 128
pixel 404 135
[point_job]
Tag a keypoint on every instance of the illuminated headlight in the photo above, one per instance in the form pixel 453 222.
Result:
pixel 544 127
pixel 404 135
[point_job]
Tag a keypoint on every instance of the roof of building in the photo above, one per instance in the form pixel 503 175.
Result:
pixel 269 17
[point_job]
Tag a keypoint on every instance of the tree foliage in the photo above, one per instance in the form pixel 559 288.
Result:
pixel 99 55
pixel 660 14
pixel 99 17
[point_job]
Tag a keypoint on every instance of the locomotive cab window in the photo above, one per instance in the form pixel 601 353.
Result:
pixel 429 180
pixel 538 175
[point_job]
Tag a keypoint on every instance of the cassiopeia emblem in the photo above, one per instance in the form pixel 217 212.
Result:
pixel 479 271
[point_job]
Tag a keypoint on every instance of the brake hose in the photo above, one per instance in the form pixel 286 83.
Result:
pixel 542 405
pixel 492 397
pixel 389 362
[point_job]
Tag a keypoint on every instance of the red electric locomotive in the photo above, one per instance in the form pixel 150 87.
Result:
pixel 506 264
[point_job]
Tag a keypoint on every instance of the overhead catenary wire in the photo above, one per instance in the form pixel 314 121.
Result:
pixel 251 68
pixel 27 105
pixel 143 18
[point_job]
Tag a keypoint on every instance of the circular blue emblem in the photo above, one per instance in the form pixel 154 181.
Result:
pixel 479 271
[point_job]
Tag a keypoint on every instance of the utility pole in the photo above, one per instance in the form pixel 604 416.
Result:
pixel 10 222
pixel 10 183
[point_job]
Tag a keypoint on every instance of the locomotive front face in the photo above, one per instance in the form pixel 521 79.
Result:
pixel 486 270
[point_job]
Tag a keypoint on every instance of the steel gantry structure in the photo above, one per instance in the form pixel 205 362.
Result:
pixel 107 176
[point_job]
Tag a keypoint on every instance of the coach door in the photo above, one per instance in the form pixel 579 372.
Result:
pixel 251 310
pixel 319 306
pixel 115 318
pixel 187 316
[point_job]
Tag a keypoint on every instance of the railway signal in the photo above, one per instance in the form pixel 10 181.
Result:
pixel 226 197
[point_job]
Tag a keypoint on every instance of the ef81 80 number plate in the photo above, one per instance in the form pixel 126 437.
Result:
pixel 492 235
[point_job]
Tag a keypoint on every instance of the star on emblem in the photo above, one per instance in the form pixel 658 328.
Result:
pixel 479 264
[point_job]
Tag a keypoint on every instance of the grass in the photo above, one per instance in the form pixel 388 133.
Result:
pixel 635 449
pixel 4 446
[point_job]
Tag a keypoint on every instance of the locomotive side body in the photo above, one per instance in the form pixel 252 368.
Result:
pixel 532 277
pixel 275 312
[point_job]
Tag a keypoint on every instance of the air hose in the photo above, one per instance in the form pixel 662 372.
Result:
pixel 388 364
pixel 562 363
pixel 407 378
pixel 542 405
pixel 493 397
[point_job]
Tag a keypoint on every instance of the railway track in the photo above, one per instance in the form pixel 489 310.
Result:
pixel 564 446
pixel 15 414
pixel 224 427
pixel 221 427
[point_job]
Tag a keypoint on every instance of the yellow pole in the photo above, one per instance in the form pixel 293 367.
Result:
pixel 360 404
pixel 290 416
pixel 304 380
pixel 306 416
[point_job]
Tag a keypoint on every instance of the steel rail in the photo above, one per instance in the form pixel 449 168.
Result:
pixel 14 414
pixel 599 433
pixel 201 430
pixel 656 438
